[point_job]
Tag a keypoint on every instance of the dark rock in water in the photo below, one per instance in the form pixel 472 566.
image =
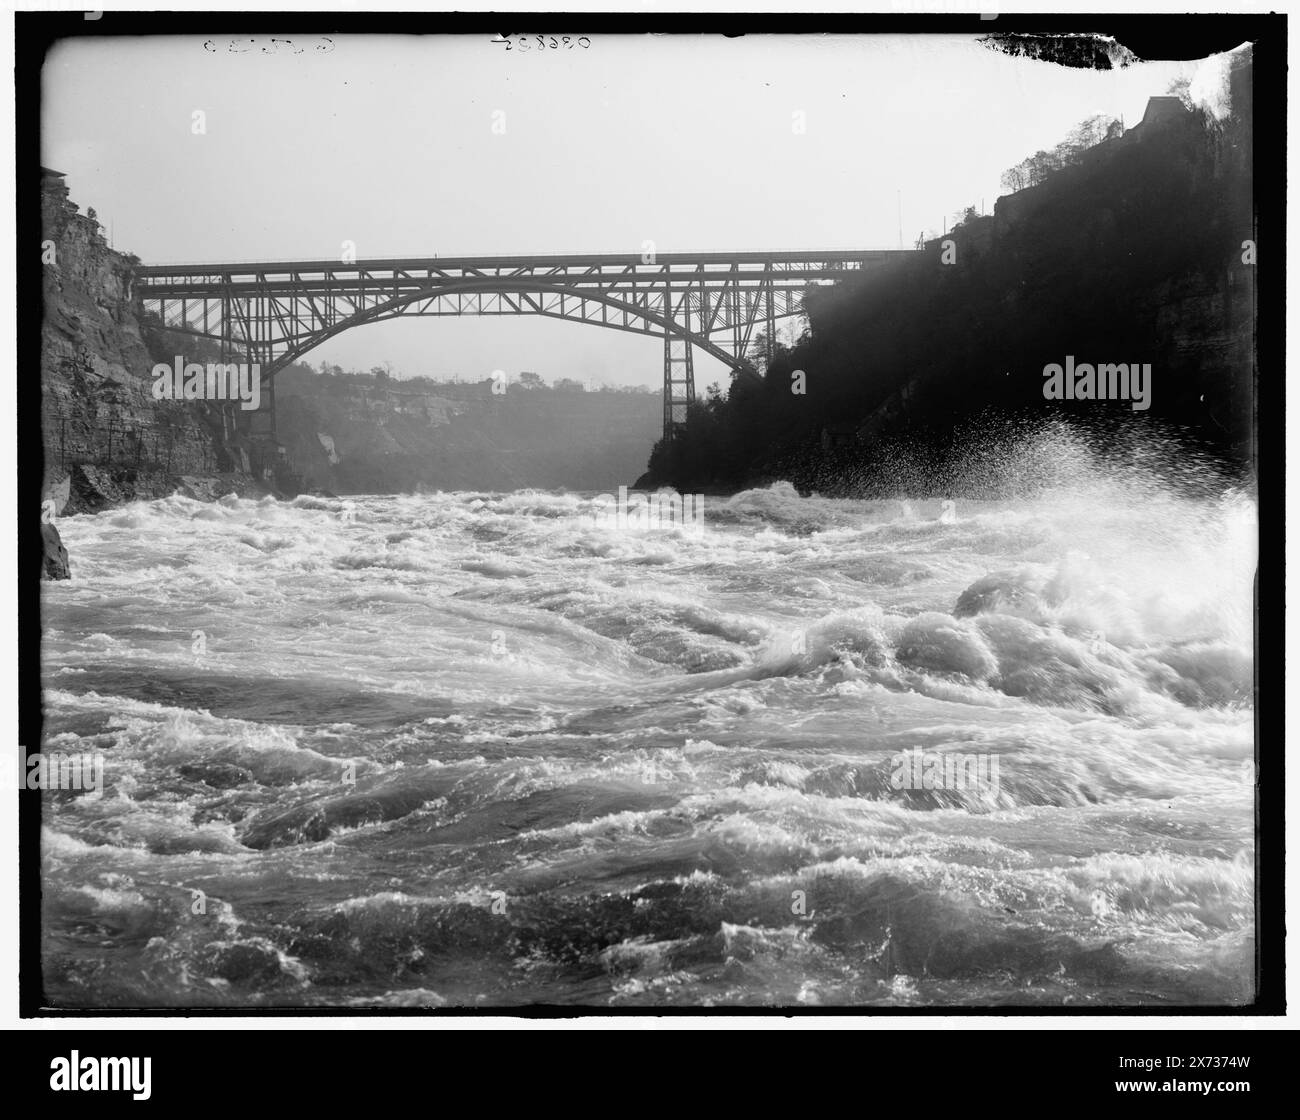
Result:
pixel 247 964
pixel 218 775
pixel 55 562
pixel 314 821
pixel 205 488
pixel 304 824
pixel 94 489
pixel 544 809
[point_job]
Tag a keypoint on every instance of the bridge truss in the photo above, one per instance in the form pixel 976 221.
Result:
pixel 275 312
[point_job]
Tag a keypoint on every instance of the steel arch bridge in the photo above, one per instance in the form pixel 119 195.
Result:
pixel 274 312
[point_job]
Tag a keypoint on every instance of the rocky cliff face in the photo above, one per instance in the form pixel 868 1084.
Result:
pixel 106 439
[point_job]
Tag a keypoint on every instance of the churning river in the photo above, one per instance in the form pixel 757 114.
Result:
pixel 484 750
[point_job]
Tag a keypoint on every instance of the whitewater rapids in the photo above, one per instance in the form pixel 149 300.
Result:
pixel 479 750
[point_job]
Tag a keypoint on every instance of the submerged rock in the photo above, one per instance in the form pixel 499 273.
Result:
pixel 218 775
pixel 54 564
pixel 313 821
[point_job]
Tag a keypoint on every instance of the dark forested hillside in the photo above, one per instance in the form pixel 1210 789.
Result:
pixel 1139 251
pixel 370 433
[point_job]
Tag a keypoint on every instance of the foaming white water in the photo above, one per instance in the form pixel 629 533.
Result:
pixel 495 697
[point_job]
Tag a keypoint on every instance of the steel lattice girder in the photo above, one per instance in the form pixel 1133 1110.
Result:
pixel 279 311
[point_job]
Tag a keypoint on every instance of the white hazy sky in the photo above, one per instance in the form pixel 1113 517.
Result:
pixel 686 141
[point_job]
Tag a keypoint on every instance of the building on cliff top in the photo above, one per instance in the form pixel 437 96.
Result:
pixel 53 185
pixel 1163 109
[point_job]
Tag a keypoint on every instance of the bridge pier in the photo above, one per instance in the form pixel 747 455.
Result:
pixel 679 382
pixel 254 430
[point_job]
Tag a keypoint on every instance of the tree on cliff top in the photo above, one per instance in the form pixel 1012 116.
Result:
pixel 1086 134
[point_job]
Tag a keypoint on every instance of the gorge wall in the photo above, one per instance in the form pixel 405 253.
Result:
pixel 1141 253
pixel 105 439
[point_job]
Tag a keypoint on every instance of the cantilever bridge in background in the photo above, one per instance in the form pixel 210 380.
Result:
pixel 273 313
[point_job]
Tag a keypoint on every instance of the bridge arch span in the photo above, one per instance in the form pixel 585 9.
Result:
pixel 393 308
pixel 278 311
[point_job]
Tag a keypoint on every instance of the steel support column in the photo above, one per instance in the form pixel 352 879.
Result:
pixel 771 324
pixel 679 370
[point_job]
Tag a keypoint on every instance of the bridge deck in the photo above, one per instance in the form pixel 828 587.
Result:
pixel 494 264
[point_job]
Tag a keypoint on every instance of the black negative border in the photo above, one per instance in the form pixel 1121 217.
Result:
pixel 1148 36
